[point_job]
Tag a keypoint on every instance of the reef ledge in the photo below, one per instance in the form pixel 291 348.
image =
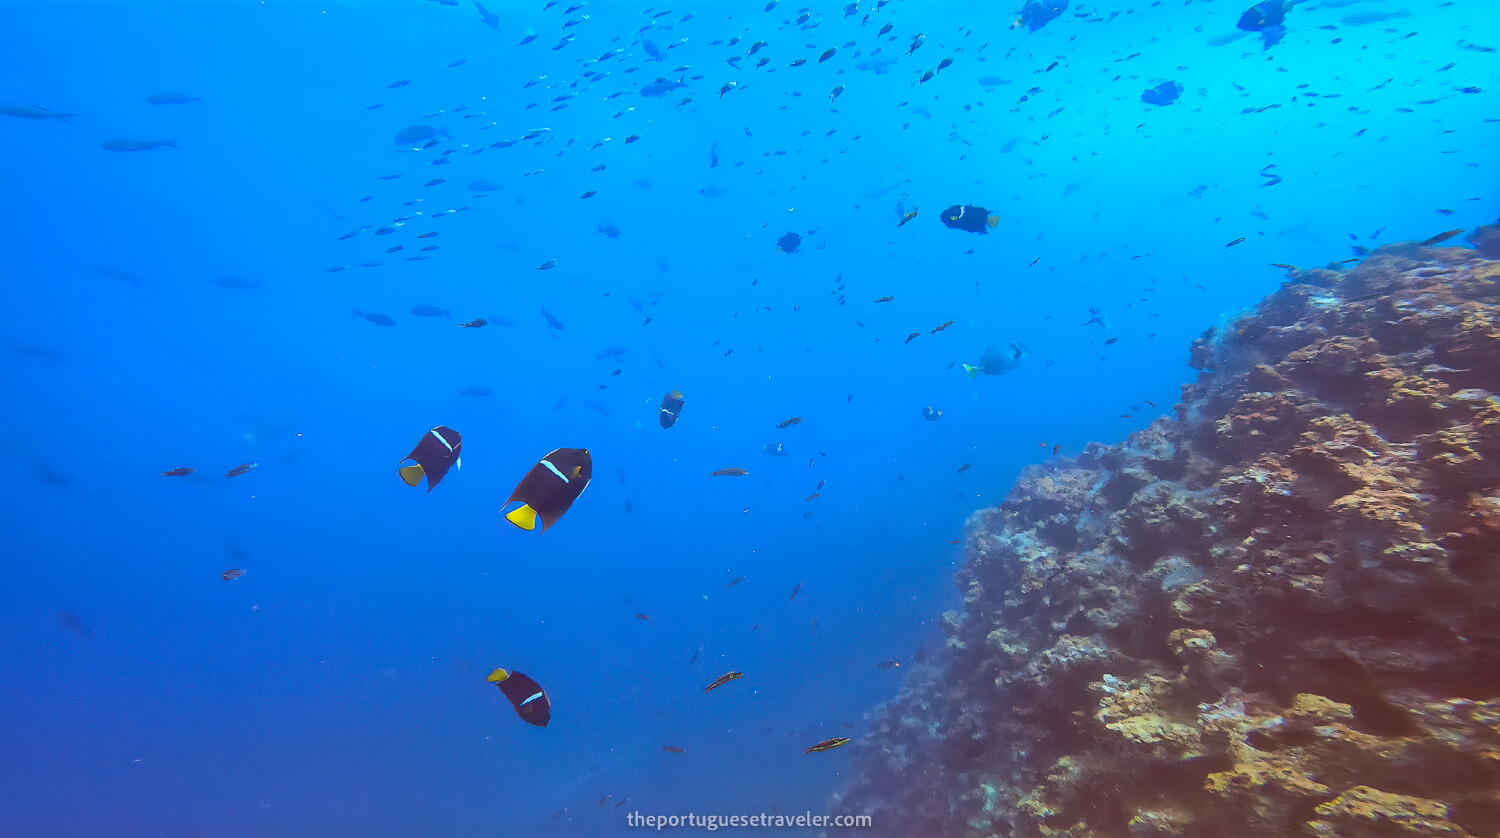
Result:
pixel 1277 614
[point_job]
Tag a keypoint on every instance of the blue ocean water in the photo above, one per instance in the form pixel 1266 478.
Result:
pixel 174 307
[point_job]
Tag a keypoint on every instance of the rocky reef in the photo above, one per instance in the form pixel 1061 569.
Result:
pixel 1276 615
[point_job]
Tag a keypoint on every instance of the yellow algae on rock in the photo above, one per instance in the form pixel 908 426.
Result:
pixel 1138 711
pixel 1363 811
pixel 1318 710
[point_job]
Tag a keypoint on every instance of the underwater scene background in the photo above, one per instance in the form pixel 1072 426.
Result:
pixel 248 234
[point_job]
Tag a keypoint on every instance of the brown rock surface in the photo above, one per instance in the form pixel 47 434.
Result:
pixel 1278 615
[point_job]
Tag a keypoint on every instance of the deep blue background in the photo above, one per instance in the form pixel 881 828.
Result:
pixel 337 688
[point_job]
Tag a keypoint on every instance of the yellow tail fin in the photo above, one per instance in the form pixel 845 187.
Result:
pixel 522 516
pixel 412 474
pixel 992 220
pixel 972 371
pixel 497 676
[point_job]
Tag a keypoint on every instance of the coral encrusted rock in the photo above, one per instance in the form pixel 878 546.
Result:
pixel 1277 614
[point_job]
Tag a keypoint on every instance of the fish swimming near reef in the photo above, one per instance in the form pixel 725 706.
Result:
pixel 137 145
pixel 524 694
pixel 437 451
pixel 661 87
pixel 828 744
pixel 375 317
pixel 1372 16
pixel 968 217
pixel 1268 18
pixel 998 359
pixel 1440 237
pixel 1163 94
pixel 1264 14
pixel 34 112
pixel 722 680
pixel 1038 13
pixel 487 17
pixel 671 408
pixel 550 487
pixel 419 133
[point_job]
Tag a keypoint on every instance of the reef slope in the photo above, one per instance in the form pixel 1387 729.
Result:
pixel 1277 615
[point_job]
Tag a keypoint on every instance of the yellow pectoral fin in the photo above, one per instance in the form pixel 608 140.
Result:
pixel 412 474
pixel 497 676
pixel 522 516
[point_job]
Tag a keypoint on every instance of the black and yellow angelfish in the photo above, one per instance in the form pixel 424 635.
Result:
pixel 549 489
pixel 525 694
pixel 671 408
pixel 437 452
pixel 969 217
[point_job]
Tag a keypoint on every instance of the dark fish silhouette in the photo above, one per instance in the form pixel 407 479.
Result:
pixel 375 317
pixel 671 407
pixel 661 87
pixel 1163 94
pixel 172 99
